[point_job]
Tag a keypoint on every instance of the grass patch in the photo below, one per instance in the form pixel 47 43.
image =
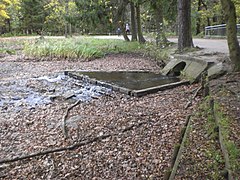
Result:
pixel 86 48
pixel 7 51
pixel 212 130
pixel 213 154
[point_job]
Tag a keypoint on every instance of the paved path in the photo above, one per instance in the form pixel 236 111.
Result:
pixel 211 45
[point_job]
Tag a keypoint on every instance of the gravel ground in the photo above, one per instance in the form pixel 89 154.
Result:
pixel 141 132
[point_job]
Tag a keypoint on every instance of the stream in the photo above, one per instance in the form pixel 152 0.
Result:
pixel 29 93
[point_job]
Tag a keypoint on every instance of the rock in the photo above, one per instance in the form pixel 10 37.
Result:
pixel 68 95
pixel 216 70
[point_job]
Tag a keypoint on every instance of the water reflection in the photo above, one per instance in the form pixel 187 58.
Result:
pixel 131 80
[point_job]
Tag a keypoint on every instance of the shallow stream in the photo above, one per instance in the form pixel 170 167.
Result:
pixel 29 93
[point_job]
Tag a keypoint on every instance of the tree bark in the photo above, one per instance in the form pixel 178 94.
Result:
pixel 184 25
pixel 133 22
pixel 139 26
pixel 233 44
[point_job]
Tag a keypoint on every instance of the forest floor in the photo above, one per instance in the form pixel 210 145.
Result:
pixel 113 136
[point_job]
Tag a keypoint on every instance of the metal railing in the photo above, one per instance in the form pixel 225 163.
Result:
pixel 218 31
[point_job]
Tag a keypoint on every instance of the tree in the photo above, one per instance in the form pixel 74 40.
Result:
pixel 184 26
pixel 4 16
pixel 233 44
pixel 3 12
pixel 161 39
pixel 133 22
pixel 56 15
pixel 95 15
pixel 33 15
pixel 141 39
pixel 119 16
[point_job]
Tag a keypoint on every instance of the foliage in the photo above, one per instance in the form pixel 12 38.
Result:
pixel 57 15
pixel 94 14
pixel 32 15
pixel 160 55
pixel 87 48
pixel 3 11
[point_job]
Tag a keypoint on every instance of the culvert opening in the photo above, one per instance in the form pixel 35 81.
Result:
pixel 176 70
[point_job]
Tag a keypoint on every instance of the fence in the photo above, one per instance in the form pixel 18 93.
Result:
pixel 218 31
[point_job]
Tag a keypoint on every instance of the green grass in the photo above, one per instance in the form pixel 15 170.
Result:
pixel 7 51
pixel 86 48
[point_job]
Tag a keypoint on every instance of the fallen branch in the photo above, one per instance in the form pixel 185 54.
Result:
pixel 189 103
pixel 74 146
pixel 41 153
pixel 204 86
pixel 178 151
pixel 64 119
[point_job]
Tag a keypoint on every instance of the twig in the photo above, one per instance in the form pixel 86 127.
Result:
pixel 197 91
pixel 64 119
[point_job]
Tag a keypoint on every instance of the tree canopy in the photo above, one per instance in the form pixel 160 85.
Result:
pixel 102 16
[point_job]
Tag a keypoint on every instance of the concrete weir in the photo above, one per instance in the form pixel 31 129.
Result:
pixel 134 83
pixel 191 68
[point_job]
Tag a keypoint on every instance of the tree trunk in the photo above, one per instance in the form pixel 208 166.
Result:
pixel 139 26
pixel 133 22
pixel 123 28
pixel 66 22
pixel 184 25
pixel 70 29
pixel 8 22
pixel 206 8
pixel 120 18
pixel 233 44
pixel 198 25
pixel 161 39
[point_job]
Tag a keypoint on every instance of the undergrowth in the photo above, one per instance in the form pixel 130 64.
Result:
pixel 90 48
pixel 212 129
pixel 86 48
pixel 233 151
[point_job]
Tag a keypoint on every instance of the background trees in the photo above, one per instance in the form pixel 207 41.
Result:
pixel 104 16
pixel 159 17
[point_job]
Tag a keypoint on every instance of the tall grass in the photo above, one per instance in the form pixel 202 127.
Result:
pixel 86 48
